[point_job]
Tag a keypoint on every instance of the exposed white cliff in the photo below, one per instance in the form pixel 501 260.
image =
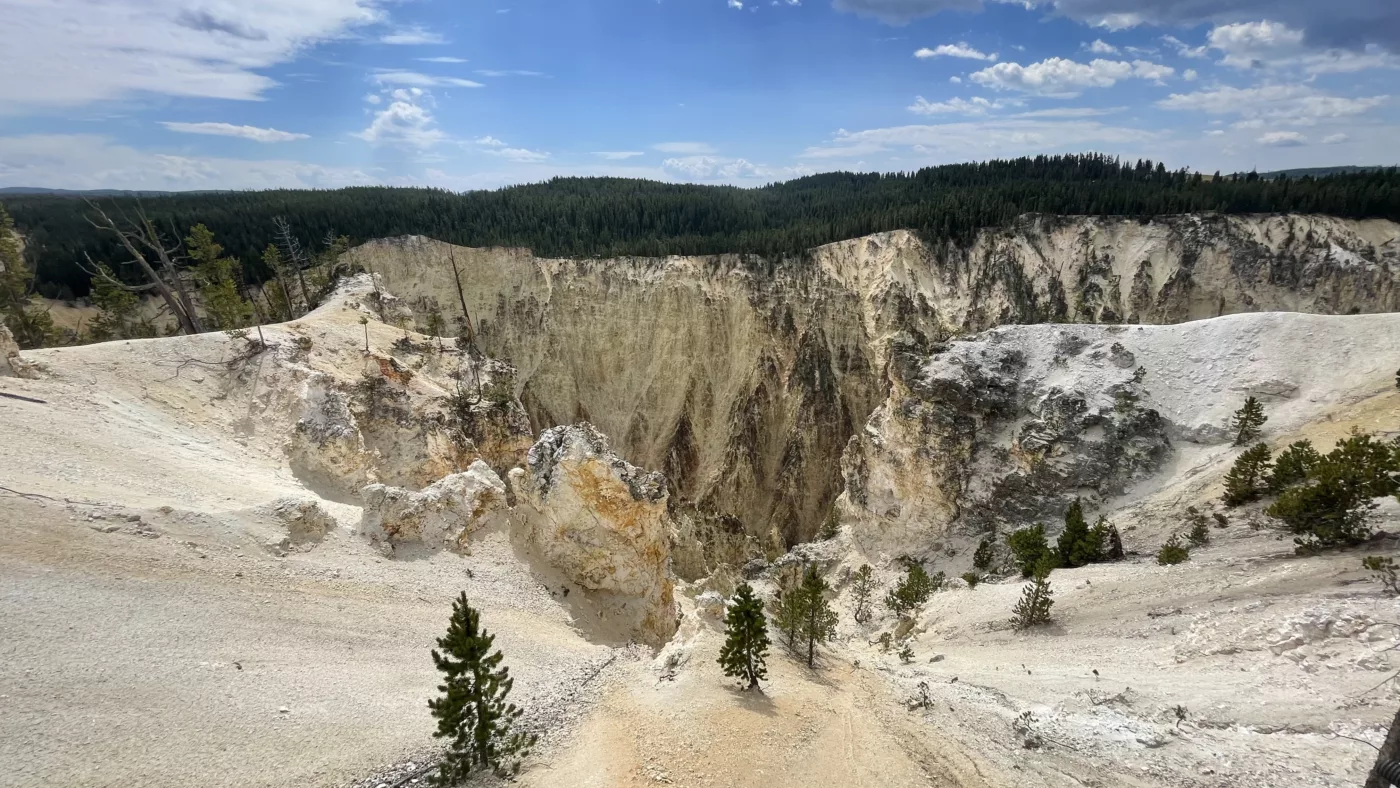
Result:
pixel 603 523
pixel 1010 426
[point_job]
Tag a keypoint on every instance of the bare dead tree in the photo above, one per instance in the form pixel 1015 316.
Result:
pixel 295 255
pixel 141 240
pixel 470 334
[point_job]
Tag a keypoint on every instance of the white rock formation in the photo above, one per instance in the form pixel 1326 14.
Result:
pixel 11 363
pixel 603 523
pixel 443 515
pixel 305 519
pixel 1011 425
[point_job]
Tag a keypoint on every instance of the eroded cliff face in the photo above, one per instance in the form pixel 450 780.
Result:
pixel 743 379
pixel 1010 426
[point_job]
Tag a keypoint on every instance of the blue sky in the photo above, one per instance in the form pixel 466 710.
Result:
pixel 462 94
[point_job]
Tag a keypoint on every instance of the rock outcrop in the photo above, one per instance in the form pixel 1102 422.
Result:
pixel 306 521
pixel 443 515
pixel 1010 426
pixel 603 523
pixel 11 363
pixel 742 378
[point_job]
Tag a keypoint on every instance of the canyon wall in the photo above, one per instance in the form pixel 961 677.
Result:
pixel 743 379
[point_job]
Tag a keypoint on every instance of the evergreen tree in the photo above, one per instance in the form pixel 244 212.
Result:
pixel 219 285
pixel 30 323
pixel 1109 541
pixel 116 310
pixel 913 590
pixel 790 610
pixel 1247 421
pixel 1200 528
pixel 1078 544
pixel 861 591
pixel 1173 552
pixel 1036 599
pixel 472 712
pixel 746 638
pixel 1245 480
pixel 985 555
pixel 1292 465
pixel 818 620
pixel 1029 548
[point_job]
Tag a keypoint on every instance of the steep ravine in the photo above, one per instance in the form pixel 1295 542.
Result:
pixel 743 379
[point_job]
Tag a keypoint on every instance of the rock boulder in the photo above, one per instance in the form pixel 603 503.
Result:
pixel 443 515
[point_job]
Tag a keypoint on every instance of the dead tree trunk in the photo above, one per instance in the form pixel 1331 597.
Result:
pixel 1390 752
pixel 170 287
pixel 461 296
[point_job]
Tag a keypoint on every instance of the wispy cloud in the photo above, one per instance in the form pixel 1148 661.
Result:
pixel 684 148
pixel 617 155
pixel 415 79
pixel 442 59
pixel 229 130
pixel 412 36
pixel 491 72
pixel 960 49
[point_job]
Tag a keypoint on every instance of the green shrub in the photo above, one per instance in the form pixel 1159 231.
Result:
pixel 1173 552
pixel 1029 548
pixel 985 555
pixel 914 590
pixel 972 579
pixel 1292 465
pixel 1078 544
pixel 1110 542
pixel 1329 508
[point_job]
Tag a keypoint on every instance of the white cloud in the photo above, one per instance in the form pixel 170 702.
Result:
pixel 617 155
pixel 489 141
pixel 405 122
pixel 77 51
pixel 1290 104
pixel 684 148
pixel 519 154
pixel 1063 78
pixel 490 72
pixel 84 161
pixel 1215 133
pixel 1333 139
pixel 1283 139
pixel 975 106
pixel 229 130
pixel 980 139
pixel 1184 49
pixel 1268 44
pixel 736 4
pixel 1101 47
pixel 442 59
pixel 415 79
pixel 955 80
pixel 708 168
pixel 412 36
pixel 1189 75
pixel 960 49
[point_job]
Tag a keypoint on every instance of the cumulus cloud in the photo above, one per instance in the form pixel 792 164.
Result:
pixel 617 155
pixel 489 141
pixel 684 148
pixel 229 130
pixel 960 49
pixel 78 51
pixel 1290 104
pixel 974 106
pixel 1184 49
pixel 1064 78
pixel 1283 139
pixel 405 122
pixel 708 168
pixel 1101 47
pixel 1268 44
pixel 415 79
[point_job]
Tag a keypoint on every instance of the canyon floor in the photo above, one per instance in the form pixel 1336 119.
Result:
pixel 158 632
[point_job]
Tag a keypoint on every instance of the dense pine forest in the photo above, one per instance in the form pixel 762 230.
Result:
pixel 587 217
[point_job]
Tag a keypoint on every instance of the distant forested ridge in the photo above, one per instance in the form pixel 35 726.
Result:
pixel 587 217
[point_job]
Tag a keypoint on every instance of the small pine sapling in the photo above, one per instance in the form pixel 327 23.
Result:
pixel 1384 571
pixel 1244 482
pixel 913 590
pixel 1221 521
pixel 746 638
pixel 1036 600
pixel 1200 527
pixel 473 712
pixel 861 591
pixel 1173 552
pixel 1247 421
pixel 906 654
pixel 972 579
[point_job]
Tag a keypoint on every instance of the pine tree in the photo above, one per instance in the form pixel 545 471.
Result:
pixel 218 279
pixel 746 638
pixel 818 620
pixel 1247 421
pixel 1200 527
pixel 1029 548
pixel 1036 600
pixel 986 553
pixel 861 591
pixel 913 590
pixel 472 711
pixel 1173 552
pixel 790 610
pixel 31 323
pixel 1108 540
pixel 117 308
pixel 1292 465
pixel 1078 545
pixel 1245 480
